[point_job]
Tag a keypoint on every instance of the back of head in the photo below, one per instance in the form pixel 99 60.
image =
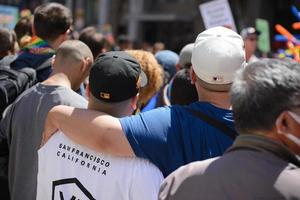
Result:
pixel 262 91
pixel 122 39
pixel 73 51
pixel 72 63
pixel 182 91
pixel 217 54
pixel 114 79
pixel 93 39
pixel 250 36
pixel 249 31
pixel 51 20
pixel 125 42
pixel 23 29
pixel 158 46
pixel 6 41
pixel 168 60
pixel 185 56
pixel 153 71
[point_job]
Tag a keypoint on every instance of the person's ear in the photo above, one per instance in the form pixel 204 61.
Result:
pixel 53 61
pixel 85 64
pixel 134 101
pixel 65 36
pixel 193 76
pixel 87 91
pixel 286 131
pixel 178 67
pixel 283 123
pixel 103 50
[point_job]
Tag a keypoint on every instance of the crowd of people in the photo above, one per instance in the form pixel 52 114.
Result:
pixel 104 122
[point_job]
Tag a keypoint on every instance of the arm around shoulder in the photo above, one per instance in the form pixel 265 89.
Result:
pixel 96 130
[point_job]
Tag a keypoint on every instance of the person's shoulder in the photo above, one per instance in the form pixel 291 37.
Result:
pixel 70 96
pixel 7 60
pixel 22 60
pixel 188 175
pixel 27 94
pixel 27 59
pixel 193 169
pixel 160 111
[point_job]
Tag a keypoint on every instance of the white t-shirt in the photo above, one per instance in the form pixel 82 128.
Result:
pixel 70 171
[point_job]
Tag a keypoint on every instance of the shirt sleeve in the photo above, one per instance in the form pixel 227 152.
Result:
pixel 147 134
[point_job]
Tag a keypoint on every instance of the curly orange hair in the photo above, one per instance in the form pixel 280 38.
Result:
pixel 153 71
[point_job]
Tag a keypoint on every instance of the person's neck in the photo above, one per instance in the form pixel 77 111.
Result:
pixel 114 113
pixel 58 79
pixel 280 138
pixel 54 43
pixel 248 55
pixel 218 99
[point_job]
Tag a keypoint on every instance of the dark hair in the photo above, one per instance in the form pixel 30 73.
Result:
pixel 262 91
pixel 23 27
pixel 51 20
pixel 182 91
pixel 7 42
pixel 94 40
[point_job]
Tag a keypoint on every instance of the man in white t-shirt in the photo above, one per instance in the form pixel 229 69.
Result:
pixel 68 170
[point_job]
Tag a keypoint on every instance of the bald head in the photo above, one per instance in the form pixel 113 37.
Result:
pixel 73 51
pixel 72 63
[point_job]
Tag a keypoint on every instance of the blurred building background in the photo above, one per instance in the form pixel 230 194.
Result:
pixel 174 22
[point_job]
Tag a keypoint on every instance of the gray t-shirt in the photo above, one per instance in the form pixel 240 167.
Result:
pixel 22 127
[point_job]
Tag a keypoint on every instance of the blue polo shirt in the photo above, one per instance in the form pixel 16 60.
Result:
pixel 171 136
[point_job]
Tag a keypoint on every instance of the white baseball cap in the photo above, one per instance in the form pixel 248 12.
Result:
pixel 217 54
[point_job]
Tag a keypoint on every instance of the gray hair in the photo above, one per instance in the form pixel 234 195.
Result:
pixel 262 91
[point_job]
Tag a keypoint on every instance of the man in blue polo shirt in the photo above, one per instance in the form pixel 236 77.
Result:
pixel 170 136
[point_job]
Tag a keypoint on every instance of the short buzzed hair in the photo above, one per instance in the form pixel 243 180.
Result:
pixel 74 50
pixel 262 91
pixel 51 20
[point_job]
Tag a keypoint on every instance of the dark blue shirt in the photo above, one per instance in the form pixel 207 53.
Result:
pixel 27 59
pixel 171 136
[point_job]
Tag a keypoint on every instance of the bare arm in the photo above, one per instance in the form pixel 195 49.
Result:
pixel 93 129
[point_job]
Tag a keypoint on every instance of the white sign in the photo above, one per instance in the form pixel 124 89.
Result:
pixel 217 13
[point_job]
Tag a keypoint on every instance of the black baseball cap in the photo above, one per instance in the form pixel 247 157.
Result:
pixel 116 76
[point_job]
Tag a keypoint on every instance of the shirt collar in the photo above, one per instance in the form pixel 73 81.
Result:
pixel 264 144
